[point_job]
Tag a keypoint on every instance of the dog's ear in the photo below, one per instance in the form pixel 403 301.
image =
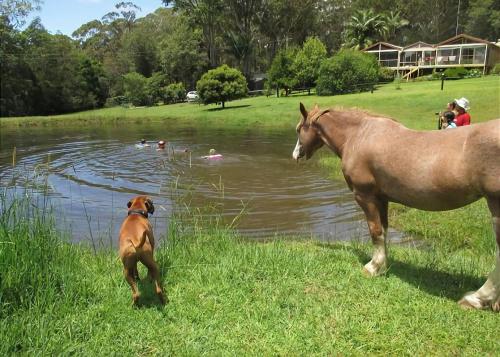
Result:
pixel 129 204
pixel 150 207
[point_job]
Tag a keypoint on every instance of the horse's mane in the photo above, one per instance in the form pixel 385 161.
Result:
pixel 351 112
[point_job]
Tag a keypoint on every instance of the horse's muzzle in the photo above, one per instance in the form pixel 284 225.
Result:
pixel 298 152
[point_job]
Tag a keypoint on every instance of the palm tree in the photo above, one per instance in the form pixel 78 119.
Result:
pixel 394 22
pixel 364 28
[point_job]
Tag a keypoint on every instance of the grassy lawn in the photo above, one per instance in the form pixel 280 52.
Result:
pixel 229 296
pixel 414 105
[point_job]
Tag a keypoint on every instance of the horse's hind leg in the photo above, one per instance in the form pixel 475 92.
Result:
pixel 489 294
pixel 375 210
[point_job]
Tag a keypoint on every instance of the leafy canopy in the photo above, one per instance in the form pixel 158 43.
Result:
pixel 308 61
pixel 347 71
pixel 221 84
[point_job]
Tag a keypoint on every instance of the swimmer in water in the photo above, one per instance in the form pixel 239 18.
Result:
pixel 212 155
pixel 161 145
pixel 142 144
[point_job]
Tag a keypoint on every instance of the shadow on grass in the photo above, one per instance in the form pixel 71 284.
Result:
pixel 228 108
pixel 439 283
pixel 148 298
pixel 427 278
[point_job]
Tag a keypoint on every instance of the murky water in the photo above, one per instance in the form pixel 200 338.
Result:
pixel 94 171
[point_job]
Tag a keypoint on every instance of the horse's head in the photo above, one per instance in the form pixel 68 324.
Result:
pixel 309 139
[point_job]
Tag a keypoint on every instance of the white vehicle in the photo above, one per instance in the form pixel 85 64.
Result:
pixel 192 96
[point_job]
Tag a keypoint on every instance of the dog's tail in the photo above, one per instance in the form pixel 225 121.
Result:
pixel 141 242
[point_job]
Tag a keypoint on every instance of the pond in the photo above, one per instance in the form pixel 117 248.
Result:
pixel 93 171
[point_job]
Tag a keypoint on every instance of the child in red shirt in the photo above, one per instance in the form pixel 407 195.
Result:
pixel 462 106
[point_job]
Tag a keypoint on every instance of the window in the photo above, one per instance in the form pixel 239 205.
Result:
pixel 448 56
pixel 389 59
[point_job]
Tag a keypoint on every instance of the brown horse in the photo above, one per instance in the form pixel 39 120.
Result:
pixel 384 161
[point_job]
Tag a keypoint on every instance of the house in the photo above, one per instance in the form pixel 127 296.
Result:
pixel 459 51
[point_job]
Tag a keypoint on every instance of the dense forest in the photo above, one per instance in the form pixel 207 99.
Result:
pixel 120 57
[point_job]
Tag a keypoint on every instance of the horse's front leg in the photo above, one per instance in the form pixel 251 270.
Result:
pixel 488 296
pixel 375 209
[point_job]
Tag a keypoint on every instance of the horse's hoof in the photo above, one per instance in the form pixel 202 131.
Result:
pixel 371 270
pixel 472 301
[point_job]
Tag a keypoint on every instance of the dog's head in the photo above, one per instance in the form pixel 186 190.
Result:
pixel 141 203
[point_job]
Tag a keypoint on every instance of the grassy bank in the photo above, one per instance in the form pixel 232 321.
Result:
pixel 229 296
pixel 414 105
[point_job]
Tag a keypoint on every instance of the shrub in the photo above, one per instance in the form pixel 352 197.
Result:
pixel 136 88
pixel 307 61
pixel 174 93
pixel 348 71
pixel 436 74
pixel 156 87
pixel 221 85
pixel 473 73
pixel 281 73
pixel 386 74
pixel 455 72
pixel 496 69
pixel 116 101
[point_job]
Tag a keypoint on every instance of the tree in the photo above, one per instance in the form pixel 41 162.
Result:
pixel 484 19
pixel 393 23
pixel 308 60
pixel 286 22
pixel 15 12
pixel 136 88
pixel 242 16
pixel 208 15
pixel 179 47
pixel 156 87
pixel 221 85
pixel 281 73
pixel 347 71
pixel 175 92
pixel 328 27
pixel 363 28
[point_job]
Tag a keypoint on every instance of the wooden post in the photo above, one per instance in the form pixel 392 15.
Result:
pixel 485 59
pixel 442 80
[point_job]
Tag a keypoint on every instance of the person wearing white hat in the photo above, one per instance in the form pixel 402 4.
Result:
pixel 463 117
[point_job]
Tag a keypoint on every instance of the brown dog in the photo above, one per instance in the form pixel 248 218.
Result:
pixel 136 243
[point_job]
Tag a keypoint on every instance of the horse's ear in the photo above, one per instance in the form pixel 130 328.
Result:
pixel 303 111
pixel 316 106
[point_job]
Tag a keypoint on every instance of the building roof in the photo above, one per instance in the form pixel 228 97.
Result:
pixel 379 44
pixel 465 37
pixel 419 45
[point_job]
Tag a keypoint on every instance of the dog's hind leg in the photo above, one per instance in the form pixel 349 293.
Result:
pixel 129 276
pixel 130 273
pixel 489 294
pixel 136 273
pixel 154 274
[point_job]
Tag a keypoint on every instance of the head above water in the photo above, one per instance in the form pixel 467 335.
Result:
pixel 161 144
pixel 308 138
pixel 211 152
pixel 143 141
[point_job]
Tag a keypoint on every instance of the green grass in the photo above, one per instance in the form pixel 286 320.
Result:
pixel 414 105
pixel 229 296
